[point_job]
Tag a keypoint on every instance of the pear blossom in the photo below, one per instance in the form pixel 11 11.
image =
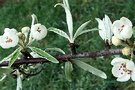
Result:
pixel 38 31
pixel 122 28
pixel 123 69
pixel 105 26
pixel 9 38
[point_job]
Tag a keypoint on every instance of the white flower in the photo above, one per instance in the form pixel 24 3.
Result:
pixel 105 26
pixel 123 69
pixel 122 28
pixel 25 31
pixel 9 38
pixel 38 31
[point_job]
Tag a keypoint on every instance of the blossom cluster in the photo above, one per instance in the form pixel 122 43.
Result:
pixel 122 30
pixel 11 37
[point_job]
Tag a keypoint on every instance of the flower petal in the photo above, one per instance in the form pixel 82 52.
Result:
pixel 130 65
pixel 127 32
pixel 118 60
pixel 133 75
pixel 117 71
pixel 124 78
pixel 126 21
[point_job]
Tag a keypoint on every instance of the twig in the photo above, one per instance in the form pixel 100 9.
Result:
pixel 66 56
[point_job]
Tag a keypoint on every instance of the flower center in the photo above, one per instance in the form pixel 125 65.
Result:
pixel 8 40
pixel 38 30
pixel 121 28
pixel 123 68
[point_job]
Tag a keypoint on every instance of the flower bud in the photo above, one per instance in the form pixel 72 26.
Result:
pixel 116 41
pixel 25 30
pixel 19 34
pixel 126 51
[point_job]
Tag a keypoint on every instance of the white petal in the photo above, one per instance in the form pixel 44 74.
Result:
pixel 101 26
pixel 117 24
pixel 133 75
pixel 117 33
pixel 130 65
pixel 117 71
pixel 127 32
pixel 124 78
pixel 118 60
pixel 126 21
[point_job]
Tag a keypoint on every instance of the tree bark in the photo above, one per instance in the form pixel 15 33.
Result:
pixel 66 56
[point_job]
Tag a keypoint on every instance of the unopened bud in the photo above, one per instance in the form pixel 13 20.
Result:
pixel 116 41
pixel 25 30
pixel 19 34
pixel 126 51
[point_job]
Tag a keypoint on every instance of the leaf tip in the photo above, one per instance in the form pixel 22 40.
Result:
pixel 103 76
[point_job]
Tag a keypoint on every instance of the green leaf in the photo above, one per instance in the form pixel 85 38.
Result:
pixel 19 81
pixel 68 70
pixel 60 32
pixel 44 54
pixel 88 30
pixel 79 30
pixel 14 56
pixel 55 49
pixel 89 68
pixel 68 19
pixel 8 57
pixel 5 70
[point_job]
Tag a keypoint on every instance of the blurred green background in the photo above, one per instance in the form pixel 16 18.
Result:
pixel 17 14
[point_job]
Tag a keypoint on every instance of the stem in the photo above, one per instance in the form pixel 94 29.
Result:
pixel 66 56
pixel 73 48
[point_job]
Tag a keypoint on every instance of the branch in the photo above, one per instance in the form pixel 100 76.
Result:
pixel 66 56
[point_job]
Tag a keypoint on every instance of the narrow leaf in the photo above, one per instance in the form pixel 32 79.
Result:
pixel 89 68
pixel 55 49
pixel 79 30
pixel 14 56
pixel 19 81
pixel 60 32
pixel 68 19
pixel 44 54
pixel 65 2
pixel 68 70
pixel 88 30
pixel 8 57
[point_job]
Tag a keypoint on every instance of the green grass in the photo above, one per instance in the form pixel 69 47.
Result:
pixel 18 14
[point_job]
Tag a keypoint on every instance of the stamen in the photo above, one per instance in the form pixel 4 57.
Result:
pixel 9 40
pixel 38 30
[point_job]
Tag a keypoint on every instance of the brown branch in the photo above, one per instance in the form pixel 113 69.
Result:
pixel 67 56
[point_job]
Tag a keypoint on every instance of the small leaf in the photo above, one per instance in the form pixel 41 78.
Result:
pixel 60 32
pixel 55 49
pixel 68 70
pixel 79 30
pixel 14 56
pixel 89 68
pixel 5 70
pixel 8 57
pixel 44 54
pixel 88 30
pixel 68 19
pixel 19 81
